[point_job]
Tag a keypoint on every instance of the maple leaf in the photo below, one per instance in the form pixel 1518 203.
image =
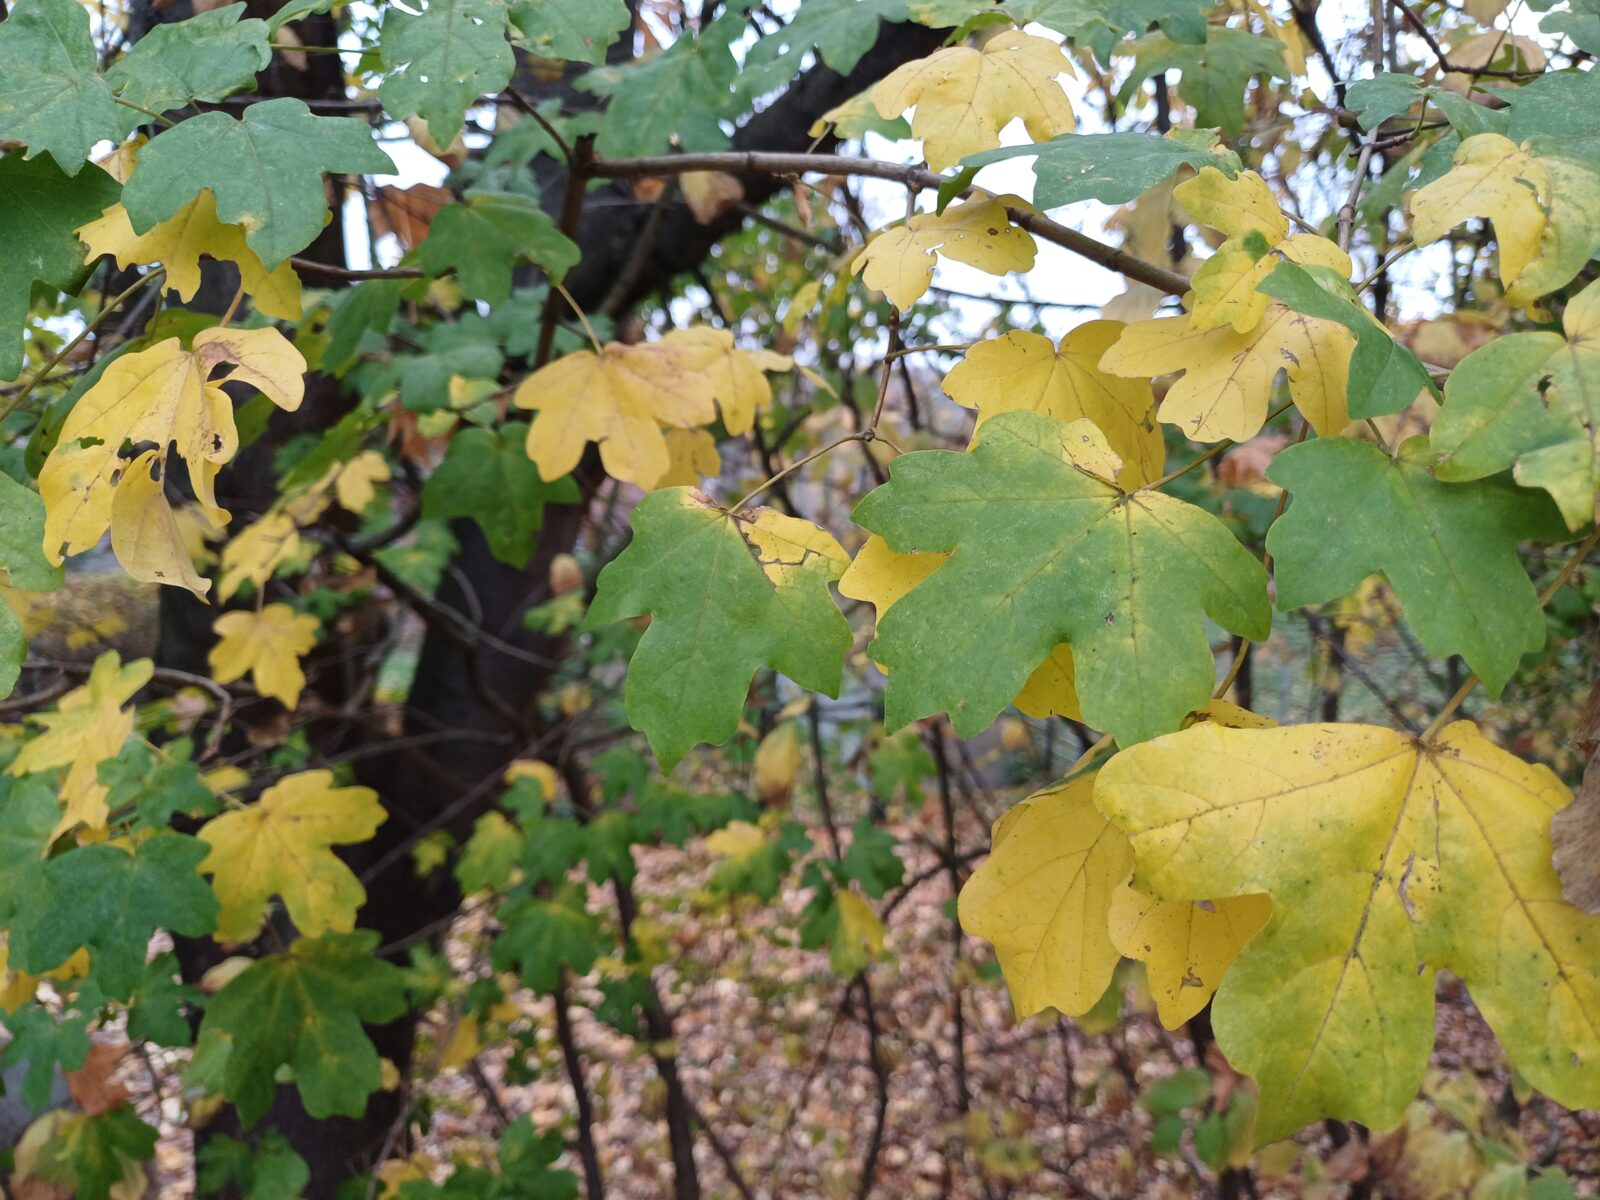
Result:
pixel 1386 858
pixel 264 170
pixel 899 261
pixel 618 398
pixel 207 57
pixel 1215 71
pixel 727 594
pixel 1448 550
pixel 964 96
pixel 254 555
pixel 483 235
pixel 1530 401
pixel 1543 197
pixel 43 205
pixel 52 97
pixel 738 377
pixel 1023 370
pixel 1053 897
pixel 1042 896
pixel 544 937
pixel 180 242
pixel 151 398
pixel 1114 168
pixel 486 475
pixel 694 458
pixel 281 845
pixel 880 576
pixel 111 899
pixel 355 482
pixel 573 30
pixel 304 1009
pixel 88 727
pixel 439 60
pixel 1019 582
pixel 268 645
pixel 1227 376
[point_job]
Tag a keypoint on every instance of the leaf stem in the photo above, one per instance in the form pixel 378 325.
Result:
pixel 1212 452
pixel 793 467
pixel 139 108
pixel 233 307
pixel 1556 584
pixel 582 316
pixel 56 359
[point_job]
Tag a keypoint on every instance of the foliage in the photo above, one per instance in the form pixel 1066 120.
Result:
pixel 440 525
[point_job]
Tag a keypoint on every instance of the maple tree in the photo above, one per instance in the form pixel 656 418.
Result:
pixel 500 532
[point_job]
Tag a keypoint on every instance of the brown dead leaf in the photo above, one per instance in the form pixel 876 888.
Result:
pixel 94 1086
pixel 1246 466
pixel 287 39
pixel 407 212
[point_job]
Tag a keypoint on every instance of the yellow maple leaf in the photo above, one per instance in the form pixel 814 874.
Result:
pixel 965 95
pixel 693 456
pixel 738 377
pixel 1386 857
pixel 257 552
pixel 1227 380
pixel 777 763
pixel 179 242
pixel 281 845
pixel 1185 945
pixel 88 727
pixel 1042 896
pixel 1028 371
pixel 899 261
pixel 151 398
pixel 355 483
pixel 1491 177
pixel 147 535
pixel 618 398
pixel 268 646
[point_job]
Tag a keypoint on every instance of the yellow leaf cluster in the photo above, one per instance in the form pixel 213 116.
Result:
pixel 899 261
pixel 179 243
pixel 148 400
pixel 282 846
pixel 965 95
pixel 621 396
pixel 1233 340
pixel 267 645
pixel 88 727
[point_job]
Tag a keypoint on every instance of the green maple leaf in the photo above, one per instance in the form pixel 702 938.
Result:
pixel 900 762
pixel 841 31
pixel 265 171
pixel 439 61
pixel 1113 168
pixel 1383 97
pixel 111 901
pixel 156 1012
pixel 207 57
pixel 1043 552
pixel 368 306
pixel 487 475
pixel 28 815
pixel 304 1009
pixel 573 30
pixel 47 1045
pixel 675 97
pixel 22 557
pixel 269 1170
pixel 1448 550
pixel 1100 24
pixel 51 94
pixel 543 936
pixel 92 1155
pixel 1385 376
pixel 484 234
pixel 727 595
pixel 1530 401
pixel 1216 72
pixel 43 207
